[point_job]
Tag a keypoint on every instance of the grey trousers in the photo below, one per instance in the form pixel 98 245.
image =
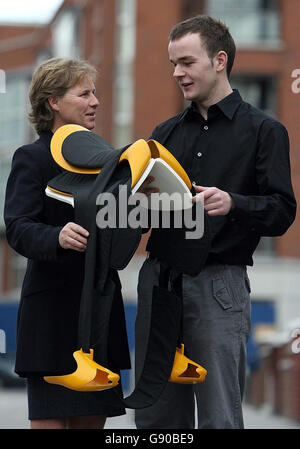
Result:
pixel 216 326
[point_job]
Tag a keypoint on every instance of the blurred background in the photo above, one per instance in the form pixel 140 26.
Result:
pixel 127 41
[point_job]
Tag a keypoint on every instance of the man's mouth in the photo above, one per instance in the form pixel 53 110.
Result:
pixel 91 114
pixel 185 85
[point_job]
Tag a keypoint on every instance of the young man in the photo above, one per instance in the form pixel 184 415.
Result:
pixel 238 160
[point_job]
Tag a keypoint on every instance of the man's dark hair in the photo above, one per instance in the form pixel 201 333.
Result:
pixel 214 33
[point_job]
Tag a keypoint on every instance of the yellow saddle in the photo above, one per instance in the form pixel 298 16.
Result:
pixel 138 156
pixel 89 375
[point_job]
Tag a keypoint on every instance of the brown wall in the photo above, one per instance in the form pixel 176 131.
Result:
pixel 157 96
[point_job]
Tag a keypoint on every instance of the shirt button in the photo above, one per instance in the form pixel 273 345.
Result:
pixel 194 183
pixel 199 154
pixel 205 127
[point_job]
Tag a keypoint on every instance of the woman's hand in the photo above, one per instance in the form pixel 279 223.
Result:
pixel 73 236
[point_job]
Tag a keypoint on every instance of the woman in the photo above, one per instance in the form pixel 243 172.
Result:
pixel 43 230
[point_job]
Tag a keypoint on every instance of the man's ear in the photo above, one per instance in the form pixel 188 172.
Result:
pixel 53 101
pixel 221 60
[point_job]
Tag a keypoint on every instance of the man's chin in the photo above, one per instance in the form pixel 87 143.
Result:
pixel 188 97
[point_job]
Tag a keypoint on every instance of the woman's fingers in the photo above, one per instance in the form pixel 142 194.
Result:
pixel 73 236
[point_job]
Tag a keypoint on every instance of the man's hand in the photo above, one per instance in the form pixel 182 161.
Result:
pixel 73 236
pixel 146 188
pixel 215 201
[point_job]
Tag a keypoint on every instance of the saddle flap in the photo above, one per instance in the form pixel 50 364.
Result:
pixel 159 151
pixel 78 150
pixel 138 156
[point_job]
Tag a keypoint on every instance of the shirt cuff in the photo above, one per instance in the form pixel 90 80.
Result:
pixel 240 213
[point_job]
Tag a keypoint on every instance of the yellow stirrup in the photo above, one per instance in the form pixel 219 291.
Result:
pixel 89 375
pixel 185 371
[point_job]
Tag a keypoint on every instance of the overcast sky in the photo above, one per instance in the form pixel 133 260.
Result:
pixel 28 11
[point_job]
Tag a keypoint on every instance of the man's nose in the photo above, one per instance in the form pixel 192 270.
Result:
pixel 178 72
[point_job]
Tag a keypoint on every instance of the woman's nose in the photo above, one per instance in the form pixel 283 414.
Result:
pixel 94 101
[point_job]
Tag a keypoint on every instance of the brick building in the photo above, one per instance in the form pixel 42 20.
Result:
pixel 127 40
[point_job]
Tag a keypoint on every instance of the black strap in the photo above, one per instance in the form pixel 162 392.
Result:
pixel 171 279
pixel 160 352
pixel 85 215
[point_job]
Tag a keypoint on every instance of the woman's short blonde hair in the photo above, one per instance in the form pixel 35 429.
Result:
pixel 53 78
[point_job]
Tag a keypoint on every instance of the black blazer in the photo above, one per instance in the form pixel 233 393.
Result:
pixel 50 297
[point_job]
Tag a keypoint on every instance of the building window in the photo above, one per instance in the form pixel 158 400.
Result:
pixel 14 125
pixel 65 35
pixel 124 71
pixel 250 21
pixel 13 107
pixel 260 91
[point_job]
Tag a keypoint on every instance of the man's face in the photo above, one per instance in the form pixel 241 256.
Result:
pixel 193 69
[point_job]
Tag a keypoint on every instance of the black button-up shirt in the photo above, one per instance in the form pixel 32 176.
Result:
pixel 245 152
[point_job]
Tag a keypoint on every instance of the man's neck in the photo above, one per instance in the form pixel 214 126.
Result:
pixel 216 96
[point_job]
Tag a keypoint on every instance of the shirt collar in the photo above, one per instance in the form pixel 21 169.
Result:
pixel 227 105
pixel 46 136
pixel 230 103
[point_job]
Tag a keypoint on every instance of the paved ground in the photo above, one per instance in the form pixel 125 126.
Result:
pixel 13 415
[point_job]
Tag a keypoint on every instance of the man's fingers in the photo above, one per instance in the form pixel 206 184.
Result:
pixel 216 201
pixel 213 206
pixel 214 212
pixel 146 183
pixel 150 190
pixel 198 197
pixel 212 200
pixel 204 193
pixel 207 191
pixel 148 180
pixel 146 187
pixel 200 188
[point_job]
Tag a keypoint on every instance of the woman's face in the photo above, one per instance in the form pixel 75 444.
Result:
pixel 77 106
